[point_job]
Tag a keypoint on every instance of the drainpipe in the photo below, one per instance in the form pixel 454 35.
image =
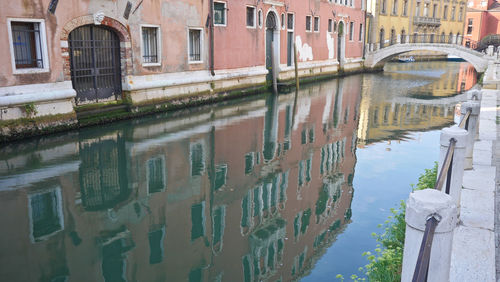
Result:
pixel 211 35
pixel 364 32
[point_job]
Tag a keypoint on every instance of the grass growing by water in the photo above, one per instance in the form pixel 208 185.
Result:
pixel 385 263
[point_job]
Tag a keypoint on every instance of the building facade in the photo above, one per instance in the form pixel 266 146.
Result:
pixel 58 56
pixel 482 20
pixel 414 21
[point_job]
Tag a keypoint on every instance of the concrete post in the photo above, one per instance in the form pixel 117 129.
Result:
pixel 490 50
pixel 474 95
pixel 457 169
pixel 420 206
pixel 475 107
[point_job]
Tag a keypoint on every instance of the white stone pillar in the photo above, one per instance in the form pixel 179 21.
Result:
pixel 475 107
pixel 420 206
pixel 457 169
pixel 490 50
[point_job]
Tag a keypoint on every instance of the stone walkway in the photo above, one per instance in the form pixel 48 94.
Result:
pixel 474 253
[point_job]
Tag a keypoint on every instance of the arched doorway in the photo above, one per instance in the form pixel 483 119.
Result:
pixel 272 45
pixel 403 37
pixel 381 38
pixel 393 36
pixel 340 44
pixel 95 63
pixel 443 37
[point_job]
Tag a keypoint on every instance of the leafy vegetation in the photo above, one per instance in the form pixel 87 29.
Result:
pixel 385 264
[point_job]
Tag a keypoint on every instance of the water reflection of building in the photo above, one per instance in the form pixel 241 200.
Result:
pixel 383 117
pixel 247 192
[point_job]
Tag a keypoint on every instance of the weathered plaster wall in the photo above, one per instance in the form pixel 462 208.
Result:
pixel 173 17
pixel 238 46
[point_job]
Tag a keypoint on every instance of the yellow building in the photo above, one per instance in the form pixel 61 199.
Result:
pixel 414 21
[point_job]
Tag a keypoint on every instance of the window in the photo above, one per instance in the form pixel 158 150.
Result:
pixel 197 221
pixel 220 13
pixel 383 6
pixel 351 30
pixel 197 159
pixel 445 12
pixel 308 23
pixel 260 18
pixel 283 21
pixel 250 16
pixel 405 7
pixel 360 32
pixel 156 174
pixel 330 25
pixel 452 16
pixel 469 26
pixel 46 215
pixel 150 44
pixel 434 11
pixel 195 45
pixel 460 14
pixel 28 46
pixel 316 24
pixel 417 10
pixel 395 7
pixel 334 26
pixel 290 22
pixel 220 176
pixel 156 251
pixel 219 224
pixel 249 162
pixel 426 10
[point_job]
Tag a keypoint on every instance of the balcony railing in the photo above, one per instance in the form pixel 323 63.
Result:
pixel 426 21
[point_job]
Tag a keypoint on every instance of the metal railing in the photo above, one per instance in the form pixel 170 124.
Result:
pixel 427 21
pixel 451 39
pixel 423 259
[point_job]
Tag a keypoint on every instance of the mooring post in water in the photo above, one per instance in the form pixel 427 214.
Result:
pixel 453 183
pixel 426 207
pixel 471 127
pixel 296 66
pixel 274 68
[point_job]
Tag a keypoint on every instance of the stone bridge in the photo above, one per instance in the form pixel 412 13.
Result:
pixel 377 58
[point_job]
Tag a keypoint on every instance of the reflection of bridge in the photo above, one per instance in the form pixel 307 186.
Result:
pixel 381 54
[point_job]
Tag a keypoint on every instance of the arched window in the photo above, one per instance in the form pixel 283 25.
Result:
pixel 381 38
pixel 393 36
pixel 403 37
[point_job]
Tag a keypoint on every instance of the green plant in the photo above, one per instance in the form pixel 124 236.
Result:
pixel 30 109
pixel 427 179
pixel 385 264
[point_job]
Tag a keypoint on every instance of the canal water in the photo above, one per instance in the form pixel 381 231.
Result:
pixel 269 188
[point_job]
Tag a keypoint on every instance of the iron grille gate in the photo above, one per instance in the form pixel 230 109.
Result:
pixel 95 63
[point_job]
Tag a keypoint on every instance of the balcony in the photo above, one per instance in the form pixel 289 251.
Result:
pixel 426 21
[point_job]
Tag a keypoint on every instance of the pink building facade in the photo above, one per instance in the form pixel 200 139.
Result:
pixel 482 19
pixel 60 55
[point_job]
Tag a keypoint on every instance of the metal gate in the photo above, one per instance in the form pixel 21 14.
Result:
pixel 95 63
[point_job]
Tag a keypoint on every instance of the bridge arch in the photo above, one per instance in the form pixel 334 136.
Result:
pixel 378 58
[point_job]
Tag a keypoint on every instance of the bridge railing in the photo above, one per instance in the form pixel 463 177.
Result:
pixel 453 39
pixel 432 214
